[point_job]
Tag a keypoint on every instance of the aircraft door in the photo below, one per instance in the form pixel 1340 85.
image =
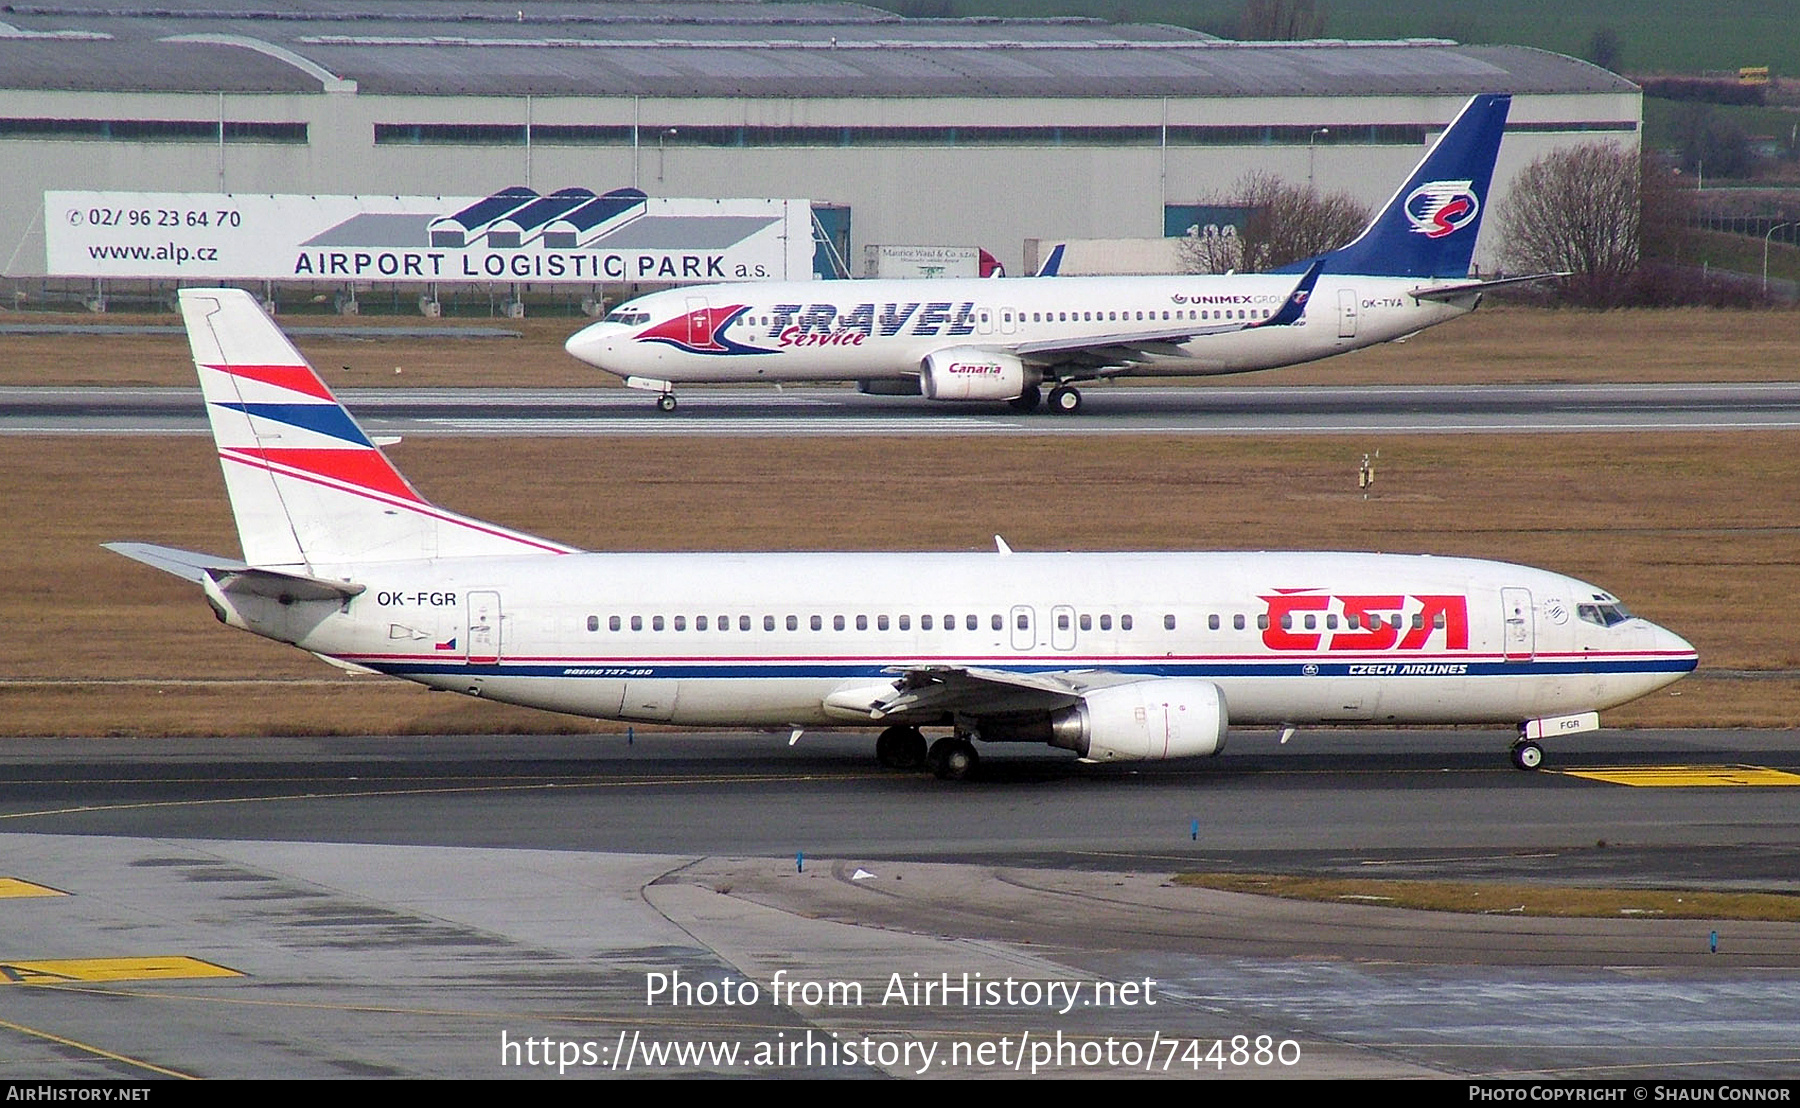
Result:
pixel 1009 320
pixel 1346 313
pixel 484 628
pixel 984 320
pixel 699 322
pixel 1024 627
pixel 1521 627
pixel 1062 627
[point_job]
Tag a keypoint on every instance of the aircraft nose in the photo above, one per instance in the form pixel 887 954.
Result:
pixel 593 343
pixel 1671 645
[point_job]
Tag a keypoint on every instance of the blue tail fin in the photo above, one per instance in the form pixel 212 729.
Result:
pixel 1428 228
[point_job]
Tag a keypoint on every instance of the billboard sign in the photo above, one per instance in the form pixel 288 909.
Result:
pixel 514 235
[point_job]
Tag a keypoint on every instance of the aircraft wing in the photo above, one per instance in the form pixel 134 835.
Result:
pixel 977 691
pixel 1125 347
pixel 1465 288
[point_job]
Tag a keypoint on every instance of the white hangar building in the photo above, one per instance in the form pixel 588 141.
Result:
pixel 977 132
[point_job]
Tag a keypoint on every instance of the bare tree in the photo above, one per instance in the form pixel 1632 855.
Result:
pixel 1281 20
pixel 1605 48
pixel 1283 223
pixel 1577 211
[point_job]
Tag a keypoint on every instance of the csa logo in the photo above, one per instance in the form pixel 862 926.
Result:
pixel 1440 208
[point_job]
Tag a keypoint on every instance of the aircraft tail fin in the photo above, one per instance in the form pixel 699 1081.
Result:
pixel 1053 264
pixel 308 487
pixel 1428 228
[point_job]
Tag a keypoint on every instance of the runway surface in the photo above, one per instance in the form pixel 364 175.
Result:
pixel 1107 410
pixel 409 906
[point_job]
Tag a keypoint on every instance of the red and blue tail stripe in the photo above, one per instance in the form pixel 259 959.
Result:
pixel 308 486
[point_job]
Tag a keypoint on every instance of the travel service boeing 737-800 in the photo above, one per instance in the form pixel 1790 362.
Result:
pixel 1114 656
pixel 1009 339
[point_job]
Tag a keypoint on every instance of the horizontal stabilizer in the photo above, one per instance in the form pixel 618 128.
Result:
pixel 233 576
pixel 285 587
pixel 185 564
pixel 1466 288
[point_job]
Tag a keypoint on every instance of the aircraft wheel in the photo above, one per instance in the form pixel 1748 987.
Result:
pixel 1026 401
pixel 953 759
pixel 900 748
pixel 666 402
pixel 1065 400
pixel 1527 755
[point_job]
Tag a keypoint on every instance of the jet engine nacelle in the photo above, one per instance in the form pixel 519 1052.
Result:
pixel 1169 717
pixel 965 373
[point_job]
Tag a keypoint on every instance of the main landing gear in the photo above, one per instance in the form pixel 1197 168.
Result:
pixel 665 402
pixel 1064 400
pixel 952 758
pixel 901 748
pixel 1527 754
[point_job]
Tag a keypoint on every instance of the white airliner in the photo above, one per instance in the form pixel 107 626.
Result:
pixel 1008 339
pixel 1112 656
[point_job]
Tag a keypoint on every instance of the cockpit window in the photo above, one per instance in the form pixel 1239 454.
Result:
pixel 631 316
pixel 1603 615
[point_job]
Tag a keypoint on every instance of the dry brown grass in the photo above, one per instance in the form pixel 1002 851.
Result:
pixel 1514 899
pixel 1501 345
pixel 1696 531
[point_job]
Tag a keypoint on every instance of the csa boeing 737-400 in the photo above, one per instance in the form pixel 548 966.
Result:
pixel 1112 656
pixel 1010 339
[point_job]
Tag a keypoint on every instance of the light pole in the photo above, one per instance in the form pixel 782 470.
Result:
pixel 1766 238
pixel 1317 131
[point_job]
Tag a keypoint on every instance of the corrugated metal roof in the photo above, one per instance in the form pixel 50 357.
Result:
pixel 723 48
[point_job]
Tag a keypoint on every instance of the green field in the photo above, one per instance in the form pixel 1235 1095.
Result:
pixel 1659 36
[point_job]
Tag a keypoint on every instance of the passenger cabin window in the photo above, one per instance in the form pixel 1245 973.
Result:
pixel 656 623
pixel 924 623
pixel 793 623
pixel 1124 623
pixel 818 623
pixel 593 623
pixel 612 624
pixel 1237 623
pixel 637 623
pixel 1168 623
